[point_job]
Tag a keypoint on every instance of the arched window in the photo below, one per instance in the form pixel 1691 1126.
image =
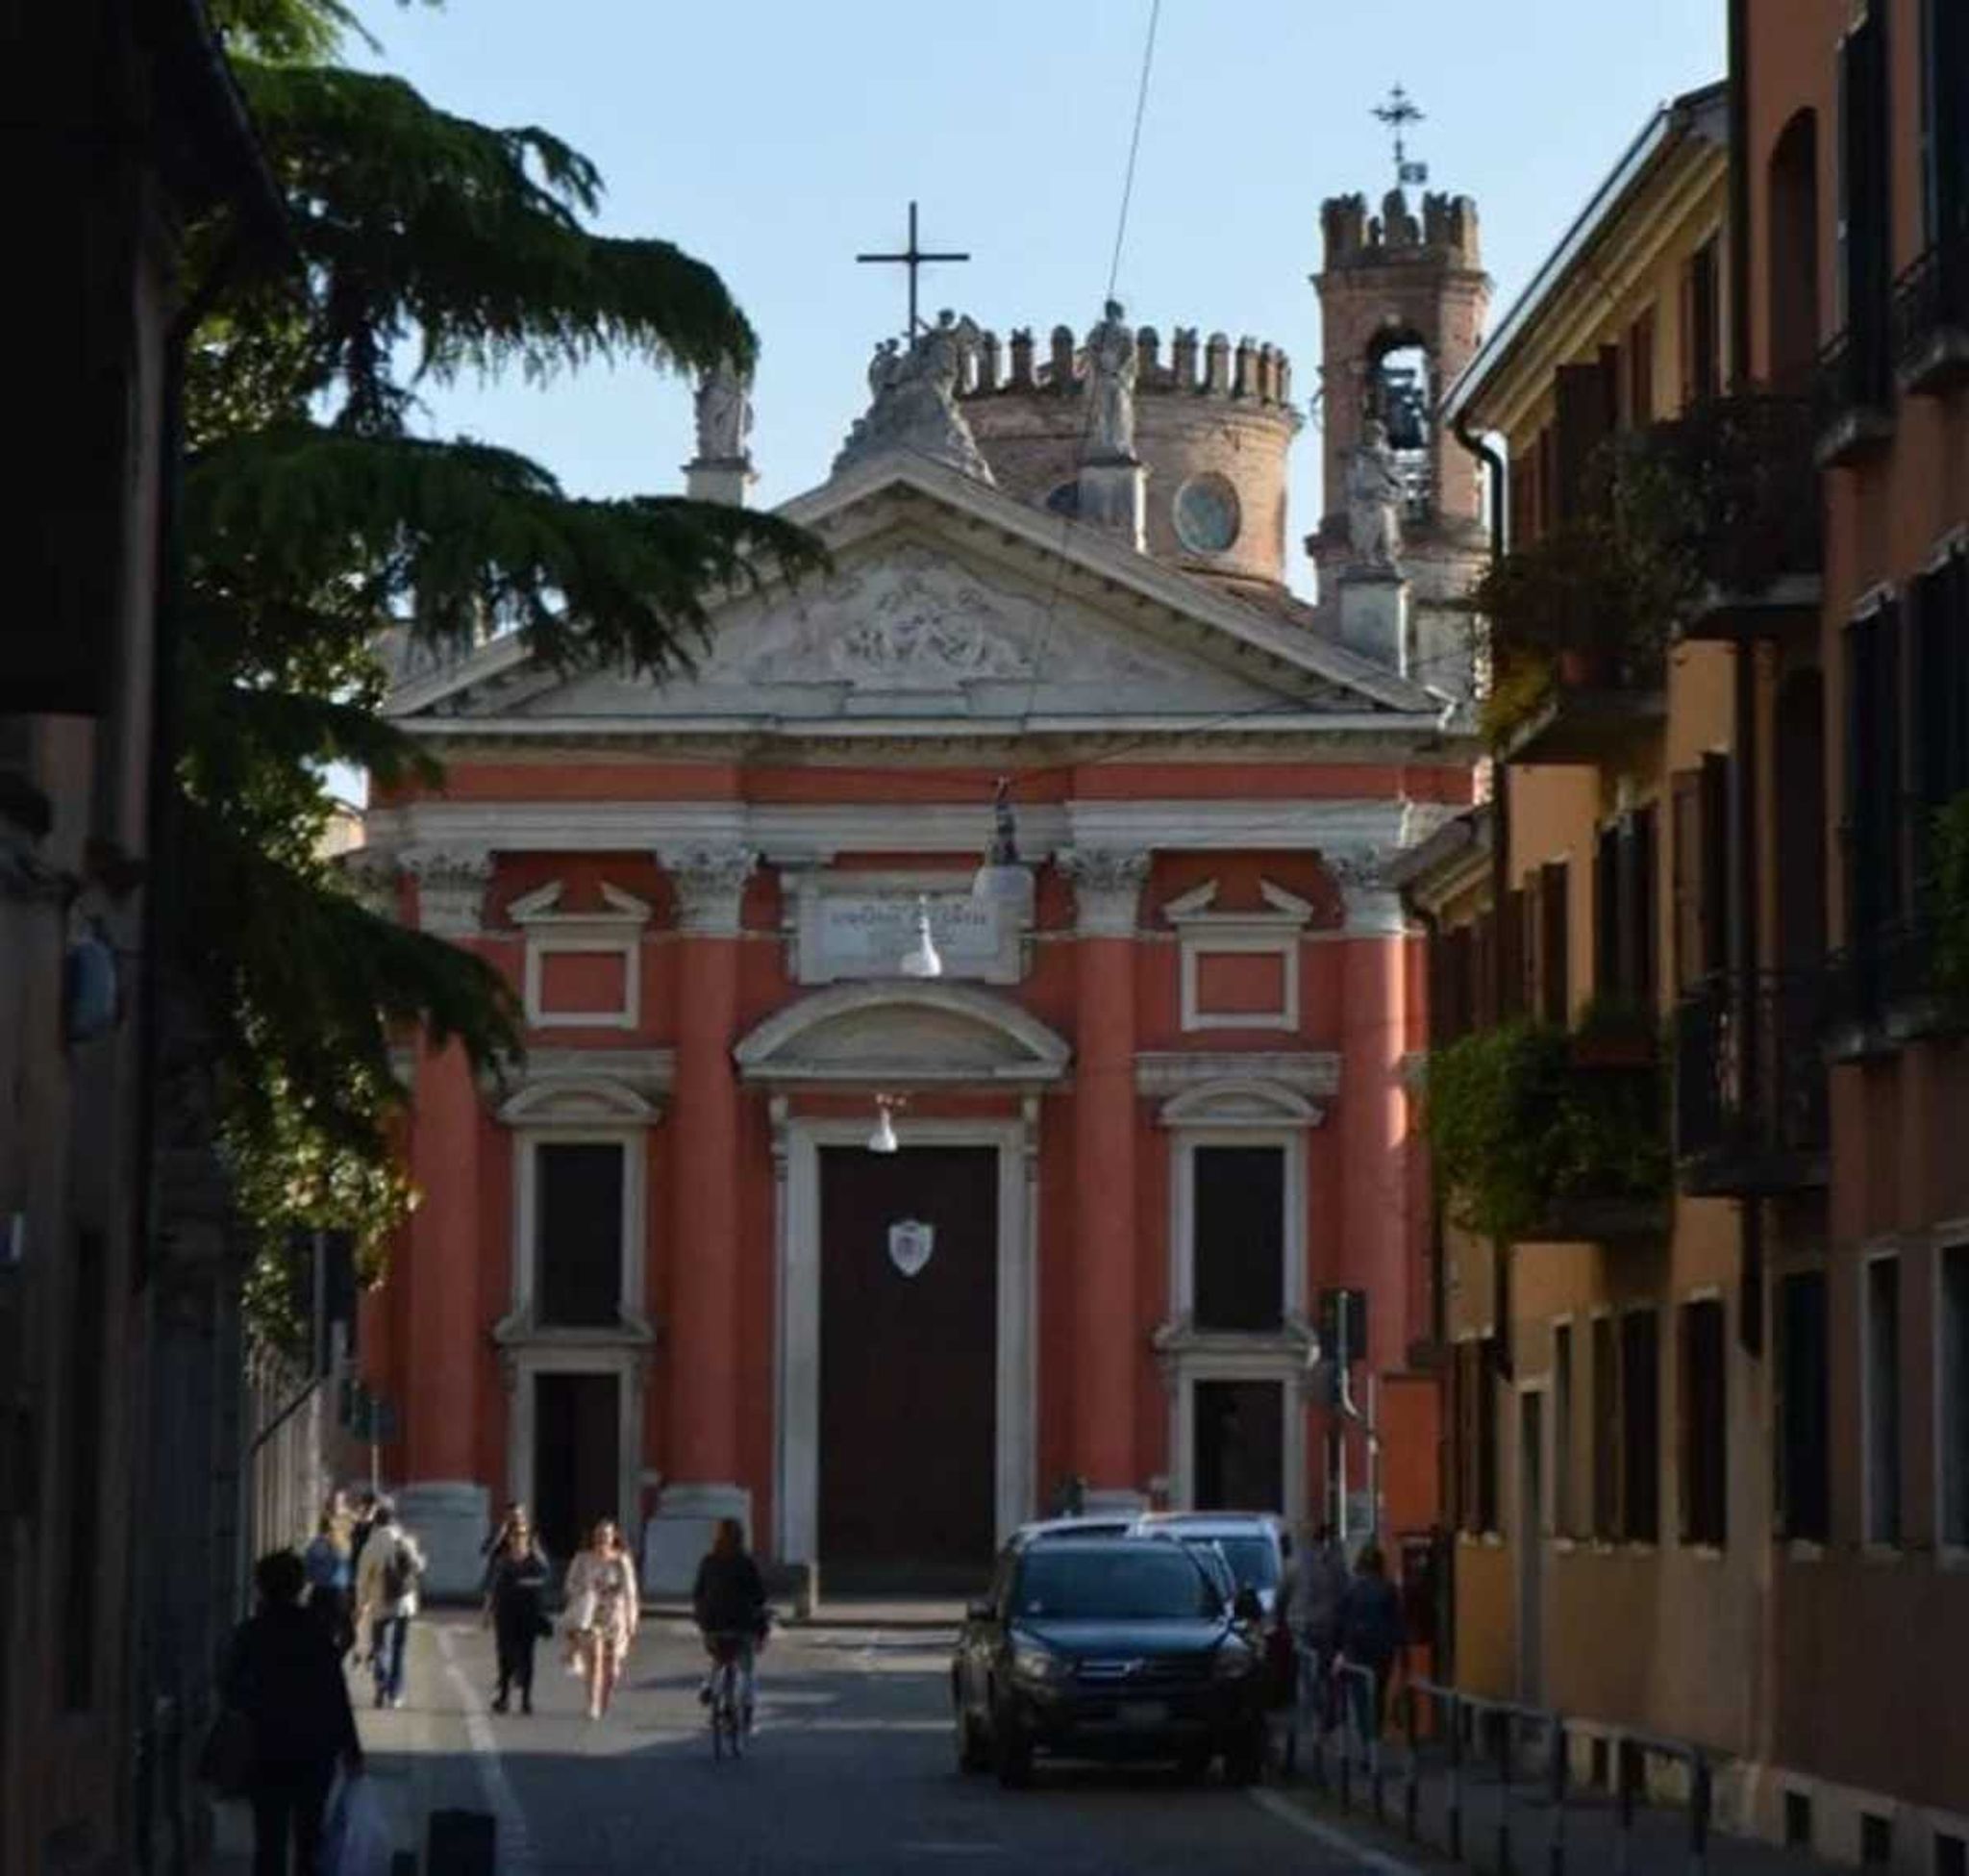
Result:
pixel 1791 310
pixel 1401 394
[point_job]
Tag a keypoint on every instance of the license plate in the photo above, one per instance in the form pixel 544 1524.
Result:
pixel 1141 1712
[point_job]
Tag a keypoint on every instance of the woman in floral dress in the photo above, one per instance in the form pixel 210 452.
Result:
pixel 603 1608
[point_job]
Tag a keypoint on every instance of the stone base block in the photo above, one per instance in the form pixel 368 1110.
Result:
pixel 450 1521
pixel 674 1539
pixel 1374 616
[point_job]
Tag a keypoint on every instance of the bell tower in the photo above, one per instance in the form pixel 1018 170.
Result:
pixel 1402 299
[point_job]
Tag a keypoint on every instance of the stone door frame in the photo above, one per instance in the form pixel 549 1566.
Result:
pixel 796 1441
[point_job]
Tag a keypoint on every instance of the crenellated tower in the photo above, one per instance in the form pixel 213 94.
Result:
pixel 1402 300
pixel 1214 421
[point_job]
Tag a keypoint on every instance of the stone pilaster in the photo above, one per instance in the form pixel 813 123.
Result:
pixel 1373 907
pixel 451 888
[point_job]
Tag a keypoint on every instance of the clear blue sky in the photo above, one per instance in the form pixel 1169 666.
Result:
pixel 777 138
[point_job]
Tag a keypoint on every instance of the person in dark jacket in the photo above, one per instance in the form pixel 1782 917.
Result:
pixel 283 1674
pixel 516 1580
pixel 1371 1636
pixel 729 1602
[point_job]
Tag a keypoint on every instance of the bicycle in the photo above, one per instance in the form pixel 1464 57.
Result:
pixel 726 1710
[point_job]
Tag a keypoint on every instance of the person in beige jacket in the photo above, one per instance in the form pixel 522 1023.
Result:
pixel 387 1598
pixel 604 1607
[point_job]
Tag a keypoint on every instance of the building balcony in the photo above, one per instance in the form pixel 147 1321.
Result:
pixel 1539 1136
pixel 1854 400
pixel 1596 709
pixel 1745 509
pixel 1930 321
pixel 1886 990
pixel 1751 1116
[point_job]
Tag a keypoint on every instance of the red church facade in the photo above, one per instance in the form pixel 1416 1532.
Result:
pixel 1147 1112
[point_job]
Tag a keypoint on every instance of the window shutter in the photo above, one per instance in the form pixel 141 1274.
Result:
pixel 1685 864
pixel 1555 959
pixel 1511 938
pixel 1641 363
pixel 1714 902
pixel 1889 795
pixel 1484 973
pixel 1643 898
pixel 1548 480
pixel 1607 981
pixel 1583 421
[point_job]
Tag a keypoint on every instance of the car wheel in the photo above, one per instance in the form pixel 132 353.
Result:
pixel 1193 1766
pixel 1011 1751
pixel 1245 1757
pixel 974 1753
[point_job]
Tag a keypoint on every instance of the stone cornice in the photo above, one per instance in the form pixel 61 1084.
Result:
pixel 1314 1072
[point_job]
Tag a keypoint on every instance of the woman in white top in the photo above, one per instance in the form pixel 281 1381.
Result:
pixel 603 1608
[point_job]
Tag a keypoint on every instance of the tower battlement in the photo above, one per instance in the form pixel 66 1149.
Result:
pixel 1445 232
pixel 1244 373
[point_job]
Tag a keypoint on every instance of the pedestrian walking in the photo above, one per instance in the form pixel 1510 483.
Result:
pixel 362 1521
pixel 604 1607
pixel 386 1590
pixel 1321 1589
pixel 1371 1636
pixel 331 1582
pixel 515 1581
pixel 495 1539
pixel 283 1675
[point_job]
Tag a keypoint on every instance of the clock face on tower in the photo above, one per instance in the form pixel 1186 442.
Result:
pixel 1206 513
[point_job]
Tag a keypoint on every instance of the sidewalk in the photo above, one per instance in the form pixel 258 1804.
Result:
pixel 1518 1827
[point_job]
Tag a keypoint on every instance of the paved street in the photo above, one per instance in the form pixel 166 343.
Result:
pixel 853 1770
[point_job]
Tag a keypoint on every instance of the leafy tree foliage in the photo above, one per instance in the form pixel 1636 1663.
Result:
pixel 315 515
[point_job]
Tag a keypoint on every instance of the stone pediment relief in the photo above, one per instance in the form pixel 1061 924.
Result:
pixel 917 619
pixel 900 1034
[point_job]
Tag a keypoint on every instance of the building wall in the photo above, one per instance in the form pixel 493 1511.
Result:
pixel 432 1343
pixel 1865 1718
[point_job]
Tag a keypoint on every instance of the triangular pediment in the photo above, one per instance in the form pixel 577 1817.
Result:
pixel 947 599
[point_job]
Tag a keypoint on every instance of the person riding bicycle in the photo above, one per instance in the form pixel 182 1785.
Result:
pixel 728 1603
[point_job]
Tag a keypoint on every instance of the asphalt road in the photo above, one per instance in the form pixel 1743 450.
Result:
pixel 853 1770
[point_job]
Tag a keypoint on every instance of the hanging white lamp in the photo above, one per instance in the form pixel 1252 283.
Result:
pixel 922 959
pixel 1002 879
pixel 884 1139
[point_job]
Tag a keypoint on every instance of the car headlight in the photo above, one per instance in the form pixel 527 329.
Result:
pixel 1035 1662
pixel 1233 1661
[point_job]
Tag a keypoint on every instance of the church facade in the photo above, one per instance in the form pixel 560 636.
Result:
pixel 838 1194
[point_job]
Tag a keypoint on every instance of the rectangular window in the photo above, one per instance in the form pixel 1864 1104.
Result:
pixel 1945 121
pixel 1803 1409
pixel 1881 1324
pixel 1938 694
pixel 1640 1427
pixel 1953 1392
pixel 577 1234
pixel 1606 1383
pixel 1551 934
pixel 1704 1449
pixel 1562 1429
pixel 1623 900
pixel 1865 202
pixel 1875 778
pixel 1237 1244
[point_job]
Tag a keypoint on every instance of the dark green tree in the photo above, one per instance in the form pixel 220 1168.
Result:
pixel 316 515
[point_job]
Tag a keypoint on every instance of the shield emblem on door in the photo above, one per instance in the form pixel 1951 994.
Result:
pixel 909 1244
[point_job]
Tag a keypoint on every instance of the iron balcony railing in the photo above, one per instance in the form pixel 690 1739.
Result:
pixel 1750 1081
pixel 1931 300
pixel 1854 390
pixel 1886 989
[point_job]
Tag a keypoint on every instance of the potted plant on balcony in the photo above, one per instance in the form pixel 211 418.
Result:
pixel 1494 1098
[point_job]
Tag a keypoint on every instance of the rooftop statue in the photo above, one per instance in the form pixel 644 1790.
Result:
pixel 913 401
pixel 724 414
pixel 1112 366
pixel 1374 500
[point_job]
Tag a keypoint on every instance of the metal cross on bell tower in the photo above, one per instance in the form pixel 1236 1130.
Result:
pixel 914 259
pixel 1398 113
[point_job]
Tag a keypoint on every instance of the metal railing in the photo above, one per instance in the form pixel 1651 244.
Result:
pixel 1476 1736
pixel 1744 1110
pixel 1931 296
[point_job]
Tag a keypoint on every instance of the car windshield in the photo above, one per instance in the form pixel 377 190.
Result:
pixel 1254 1560
pixel 1129 1583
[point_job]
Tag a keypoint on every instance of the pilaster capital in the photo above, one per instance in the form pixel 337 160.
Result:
pixel 709 883
pixel 372 876
pixel 1373 905
pixel 1106 888
pixel 451 888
